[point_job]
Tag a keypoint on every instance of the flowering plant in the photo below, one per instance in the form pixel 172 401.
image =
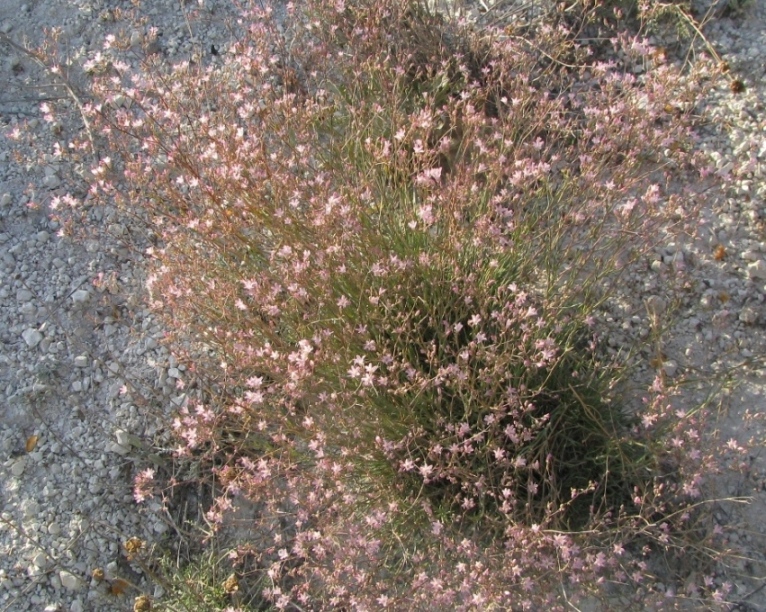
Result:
pixel 385 241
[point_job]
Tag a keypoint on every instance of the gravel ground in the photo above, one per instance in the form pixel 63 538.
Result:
pixel 85 385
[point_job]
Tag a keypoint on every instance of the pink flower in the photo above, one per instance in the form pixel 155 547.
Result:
pixel 254 397
pixel 255 382
pixel 143 485
pixel 426 214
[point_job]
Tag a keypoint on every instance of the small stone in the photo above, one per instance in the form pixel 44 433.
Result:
pixel 123 437
pixel 112 570
pixel 17 469
pixel 69 580
pixel 679 261
pixel 81 361
pixel 76 606
pixel 119 450
pixel 179 400
pixel 119 101
pixel 174 373
pixel 707 300
pixel 32 337
pixel 81 296
pixel 42 237
pixel 748 315
pixel 51 181
pixel 40 560
pixel 117 229
pixel 757 269
pixel 24 295
pixel 30 508
pixel 720 318
pixel 5 199
pixel 670 368
pixel 136 38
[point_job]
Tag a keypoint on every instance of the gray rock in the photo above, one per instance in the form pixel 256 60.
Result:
pixel 24 295
pixel 17 469
pixel 81 296
pixel 670 368
pixel 51 181
pixel 120 450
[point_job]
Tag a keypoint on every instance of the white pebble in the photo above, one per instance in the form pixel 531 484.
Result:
pixel 40 560
pixel 32 337
pixel 69 580
pixel 81 361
